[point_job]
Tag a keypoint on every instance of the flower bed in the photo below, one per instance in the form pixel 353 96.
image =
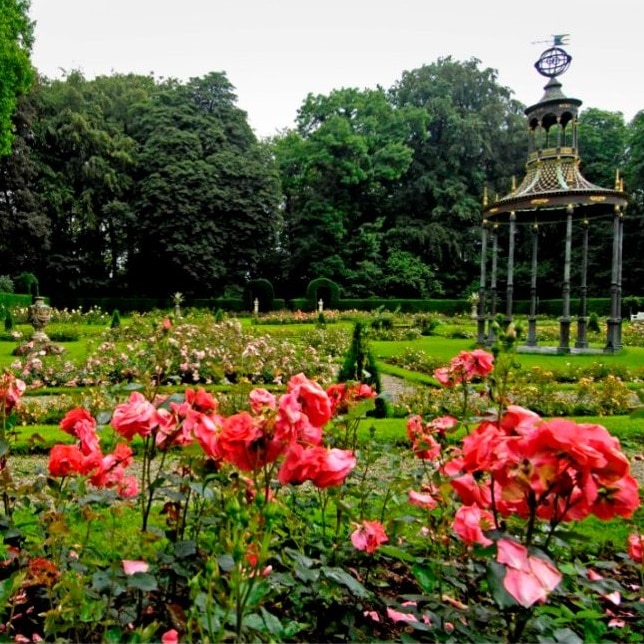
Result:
pixel 272 521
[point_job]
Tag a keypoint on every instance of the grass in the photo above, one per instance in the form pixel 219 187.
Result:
pixel 444 349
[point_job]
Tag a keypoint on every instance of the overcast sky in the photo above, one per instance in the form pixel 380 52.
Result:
pixel 275 52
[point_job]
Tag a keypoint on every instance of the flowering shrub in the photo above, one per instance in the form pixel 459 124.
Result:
pixel 203 352
pixel 173 518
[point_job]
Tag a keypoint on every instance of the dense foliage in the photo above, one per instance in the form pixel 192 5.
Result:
pixel 132 185
pixel 16 72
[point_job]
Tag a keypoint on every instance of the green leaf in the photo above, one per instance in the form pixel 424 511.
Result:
pixel 566 636
pixel 396 553
pixel 495 576
pixel 103 417
pixel 142 581
pixel 343 578
pixel 8 587
pixel 307 575
pixel 4 447
pixel 226 563
pixel 272 623
pixel 425 577
pixel 184 549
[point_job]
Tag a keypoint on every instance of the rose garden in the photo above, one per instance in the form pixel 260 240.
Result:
pixel 193 476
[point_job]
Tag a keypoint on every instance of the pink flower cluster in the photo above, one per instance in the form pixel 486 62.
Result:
pixel 289 427
pixel 559 469
pixel 343 395
pixel 422 435
pixel 465 367
pixel 521 465
pixel 11 390
pixel 86 458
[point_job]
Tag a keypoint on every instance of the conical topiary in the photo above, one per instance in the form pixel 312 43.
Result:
pixel 359 364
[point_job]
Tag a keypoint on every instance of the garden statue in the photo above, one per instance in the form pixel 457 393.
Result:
pixel 256 306
pixel 177 298
pixel 38 316
pixel 320 305
pixel 474 299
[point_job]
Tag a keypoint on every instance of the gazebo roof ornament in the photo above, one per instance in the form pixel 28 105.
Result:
pixel 553 184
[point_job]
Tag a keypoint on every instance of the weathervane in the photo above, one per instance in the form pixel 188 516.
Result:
pixel 554 61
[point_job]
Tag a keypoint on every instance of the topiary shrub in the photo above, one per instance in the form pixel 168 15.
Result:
pixel 593 322
pixel 262 291
pixel 115 323
pixel 323 289
pixel 359 364
pixel 6 284
pixel 27 283
pixel 8 320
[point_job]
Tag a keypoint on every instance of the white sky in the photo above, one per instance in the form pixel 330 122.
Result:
pixel 274 52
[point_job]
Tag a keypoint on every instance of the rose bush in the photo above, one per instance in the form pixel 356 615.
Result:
pixel 171 518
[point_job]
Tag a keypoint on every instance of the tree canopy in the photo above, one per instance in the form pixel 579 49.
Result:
pixel 131 185
pixel 16 72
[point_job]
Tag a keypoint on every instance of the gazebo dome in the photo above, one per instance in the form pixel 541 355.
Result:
pixel 553 183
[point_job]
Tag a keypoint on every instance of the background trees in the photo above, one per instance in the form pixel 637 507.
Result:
pixel 207 195
pixel 129 185
pixel 16 72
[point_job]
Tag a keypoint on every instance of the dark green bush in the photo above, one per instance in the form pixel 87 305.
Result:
pixel 262 290
pixel 116 319
pixel 322 289
pixel 27 283
pixel 593 323
pixel 68 334
pixel 8 320
pixel 6 284
pixel 359 363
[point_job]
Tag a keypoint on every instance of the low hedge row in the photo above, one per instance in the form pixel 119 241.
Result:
pixel 551 308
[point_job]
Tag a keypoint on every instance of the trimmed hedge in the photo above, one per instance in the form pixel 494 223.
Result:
pixel 262 290
pixel 9 300
pixel 446 307
pixel 124 304
pixel 554 308
pixel 326 290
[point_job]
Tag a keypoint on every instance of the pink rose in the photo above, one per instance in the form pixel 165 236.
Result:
pixel 137 416
pixel 469 523
pixel 368 536
pixel 635 543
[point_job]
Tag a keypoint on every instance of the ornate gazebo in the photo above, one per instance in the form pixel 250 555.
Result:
pixel 553 191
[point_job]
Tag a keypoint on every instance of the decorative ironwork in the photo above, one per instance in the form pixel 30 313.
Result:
pixel 553 62
pixel 554 191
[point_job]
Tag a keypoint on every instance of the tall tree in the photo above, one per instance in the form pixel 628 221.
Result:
pixel 207 193
pixel 16 71
pixel 85 159
pixel 24 226
pixel 475 137
pixel 338 169
pixel 633 251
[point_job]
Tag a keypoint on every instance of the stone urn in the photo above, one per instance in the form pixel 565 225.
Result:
pixel 39 316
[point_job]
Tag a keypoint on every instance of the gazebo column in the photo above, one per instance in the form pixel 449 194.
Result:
pixel 582 320
pixel 532 318
pixel 510 283
pixel 564 321
pixel 619 280
pixel 493 294
pixel 480 320
pixel 614 321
